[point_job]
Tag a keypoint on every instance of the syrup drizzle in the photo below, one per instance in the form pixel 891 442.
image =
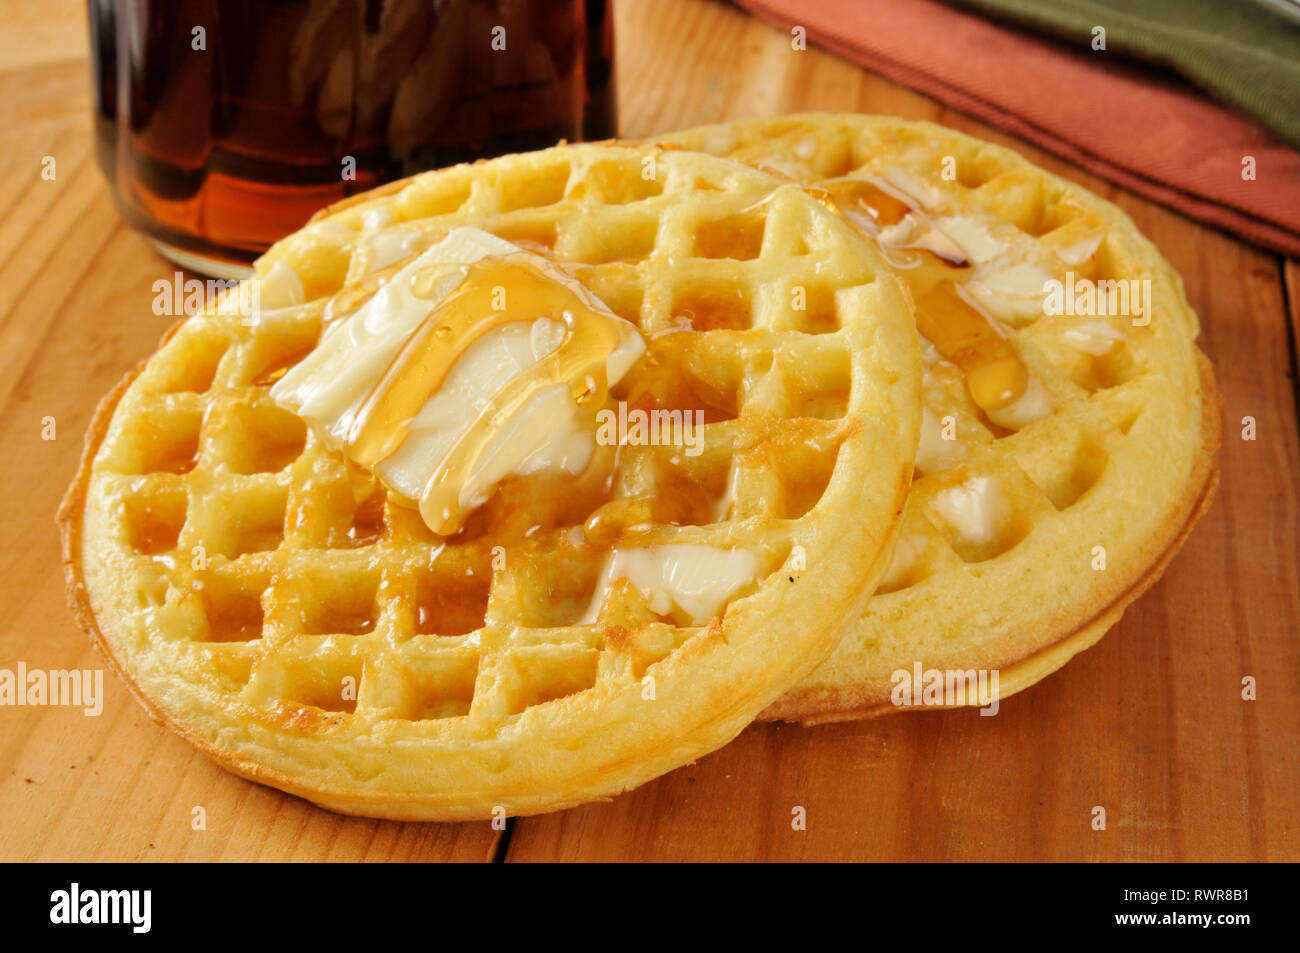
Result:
pixel 930 263
pixel 494 292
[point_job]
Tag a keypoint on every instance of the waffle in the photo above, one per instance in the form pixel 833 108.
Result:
pixel 1111 471
pixel 242 577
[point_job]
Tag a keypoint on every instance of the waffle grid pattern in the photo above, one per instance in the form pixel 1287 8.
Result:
pixel 1139 400
pixel 290 583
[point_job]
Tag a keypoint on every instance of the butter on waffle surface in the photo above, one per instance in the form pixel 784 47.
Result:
pixel 1000 560
pixel 477 684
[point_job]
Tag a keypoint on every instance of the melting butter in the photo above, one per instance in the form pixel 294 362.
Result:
pixel 473 361
pixel 975 508
pixel 694 580
pixel 1014 291
pixel 935 263
pixel 975 239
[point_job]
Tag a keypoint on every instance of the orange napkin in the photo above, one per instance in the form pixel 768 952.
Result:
pixel 1147 131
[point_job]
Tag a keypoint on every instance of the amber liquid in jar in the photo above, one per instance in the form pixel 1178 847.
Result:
pixel 223 125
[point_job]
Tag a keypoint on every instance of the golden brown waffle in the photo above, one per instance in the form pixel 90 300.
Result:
pixel 1118 470
pixel 241 577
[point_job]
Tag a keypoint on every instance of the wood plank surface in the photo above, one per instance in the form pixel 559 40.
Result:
pixel 1150 724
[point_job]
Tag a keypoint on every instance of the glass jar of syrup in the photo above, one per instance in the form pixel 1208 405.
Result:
pixel 222 125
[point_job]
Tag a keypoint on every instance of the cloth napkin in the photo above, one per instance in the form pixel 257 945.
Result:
pixel 1143 128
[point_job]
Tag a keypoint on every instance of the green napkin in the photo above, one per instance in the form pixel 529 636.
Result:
pixel 1241 53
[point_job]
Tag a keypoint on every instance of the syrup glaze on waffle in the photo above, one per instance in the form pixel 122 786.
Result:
pixel 239 574
pixel 997 565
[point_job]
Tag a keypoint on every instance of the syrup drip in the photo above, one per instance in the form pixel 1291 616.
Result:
pixel 930 265
pixel 472 310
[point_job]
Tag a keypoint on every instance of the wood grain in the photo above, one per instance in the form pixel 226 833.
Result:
pixel 1150 724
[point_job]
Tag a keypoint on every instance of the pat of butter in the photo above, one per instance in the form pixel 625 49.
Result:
pixel 691 578
pixel 974 238
pixel 329 387
pixel 1011 293
pixel 545 434
pixel 975 508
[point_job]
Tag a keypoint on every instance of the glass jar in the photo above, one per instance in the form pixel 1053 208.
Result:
pixel 222 125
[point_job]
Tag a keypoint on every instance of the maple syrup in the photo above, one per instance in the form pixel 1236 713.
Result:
pixel 933 266
pixel 223 125
pixel 494 292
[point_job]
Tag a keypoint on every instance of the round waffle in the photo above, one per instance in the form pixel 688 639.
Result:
pixel 1025 536
pixel 305 630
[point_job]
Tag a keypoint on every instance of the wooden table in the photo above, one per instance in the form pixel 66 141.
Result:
pixel 1149 724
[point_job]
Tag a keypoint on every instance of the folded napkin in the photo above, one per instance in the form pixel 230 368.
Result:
pixel 1144 129
pixel 1240 53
